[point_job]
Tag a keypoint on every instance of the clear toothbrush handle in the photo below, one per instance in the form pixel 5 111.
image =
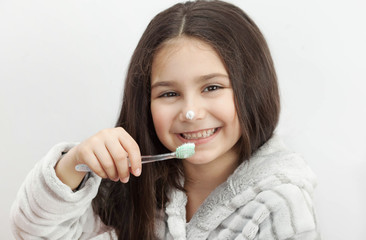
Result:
pixel 144 159
pixel 159 157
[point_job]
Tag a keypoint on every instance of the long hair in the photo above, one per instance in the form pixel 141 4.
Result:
pixel 131 208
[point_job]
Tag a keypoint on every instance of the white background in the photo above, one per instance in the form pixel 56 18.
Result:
pixel 62 65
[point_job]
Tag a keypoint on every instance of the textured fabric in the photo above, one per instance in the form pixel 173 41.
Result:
pixel 47 208
pixel 267 197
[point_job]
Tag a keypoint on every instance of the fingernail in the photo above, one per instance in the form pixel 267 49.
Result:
pixel 125 180
pixel 137 172
pixel 116 179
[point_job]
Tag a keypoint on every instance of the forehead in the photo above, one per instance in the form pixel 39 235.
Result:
pixel 173 45
pixel 186 55
pixel 178 42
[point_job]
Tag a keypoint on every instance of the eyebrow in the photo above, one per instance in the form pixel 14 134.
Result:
pixel 162 84
pixel 201 78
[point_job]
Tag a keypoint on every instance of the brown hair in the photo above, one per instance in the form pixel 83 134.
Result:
pixel 131 208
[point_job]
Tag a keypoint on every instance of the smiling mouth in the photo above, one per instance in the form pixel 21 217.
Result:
pixel 199 135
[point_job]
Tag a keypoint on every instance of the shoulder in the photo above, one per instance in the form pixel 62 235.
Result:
pixel 274 162
pixel 282 211
pixel 273 191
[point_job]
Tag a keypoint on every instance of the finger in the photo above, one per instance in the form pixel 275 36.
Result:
pixel 106 161
pixel 86 156
pixel 133 151
pixel 92 162
pixel 120 159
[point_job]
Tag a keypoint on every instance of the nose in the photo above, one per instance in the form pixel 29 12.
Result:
pixel 190 115
pixel 192 111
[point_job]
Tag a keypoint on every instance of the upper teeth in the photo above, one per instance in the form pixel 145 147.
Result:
pixel 200 134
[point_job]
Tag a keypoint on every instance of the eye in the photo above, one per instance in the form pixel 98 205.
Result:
pixel 212 88
pixel 168 95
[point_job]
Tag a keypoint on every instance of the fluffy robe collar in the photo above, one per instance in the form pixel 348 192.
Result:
pixel 271 163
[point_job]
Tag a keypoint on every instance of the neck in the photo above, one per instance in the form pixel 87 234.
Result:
pixel 206 177
pixel 202 179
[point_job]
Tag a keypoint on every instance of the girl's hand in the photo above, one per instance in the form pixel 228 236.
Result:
pixel 106 153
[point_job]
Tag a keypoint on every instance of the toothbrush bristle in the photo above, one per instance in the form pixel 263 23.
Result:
pixel 185 150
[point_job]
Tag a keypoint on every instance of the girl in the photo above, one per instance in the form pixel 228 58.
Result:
pixel 201 73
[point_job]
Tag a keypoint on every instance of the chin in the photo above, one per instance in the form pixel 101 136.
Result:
pixel 198 160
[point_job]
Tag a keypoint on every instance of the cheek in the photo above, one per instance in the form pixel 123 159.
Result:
pixel 225 108
pixel 163 118
pixel 226 112
pixel 158 118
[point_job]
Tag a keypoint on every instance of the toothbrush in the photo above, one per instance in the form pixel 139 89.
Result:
pixel 185 150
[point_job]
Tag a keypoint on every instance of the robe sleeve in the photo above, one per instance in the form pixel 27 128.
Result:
pixel 47 208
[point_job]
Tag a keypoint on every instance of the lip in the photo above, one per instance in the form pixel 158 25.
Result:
pixel 201 140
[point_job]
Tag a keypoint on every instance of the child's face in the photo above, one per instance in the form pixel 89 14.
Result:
pixel 187 74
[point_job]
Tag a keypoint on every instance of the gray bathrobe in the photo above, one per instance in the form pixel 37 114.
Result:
pixel 268 197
